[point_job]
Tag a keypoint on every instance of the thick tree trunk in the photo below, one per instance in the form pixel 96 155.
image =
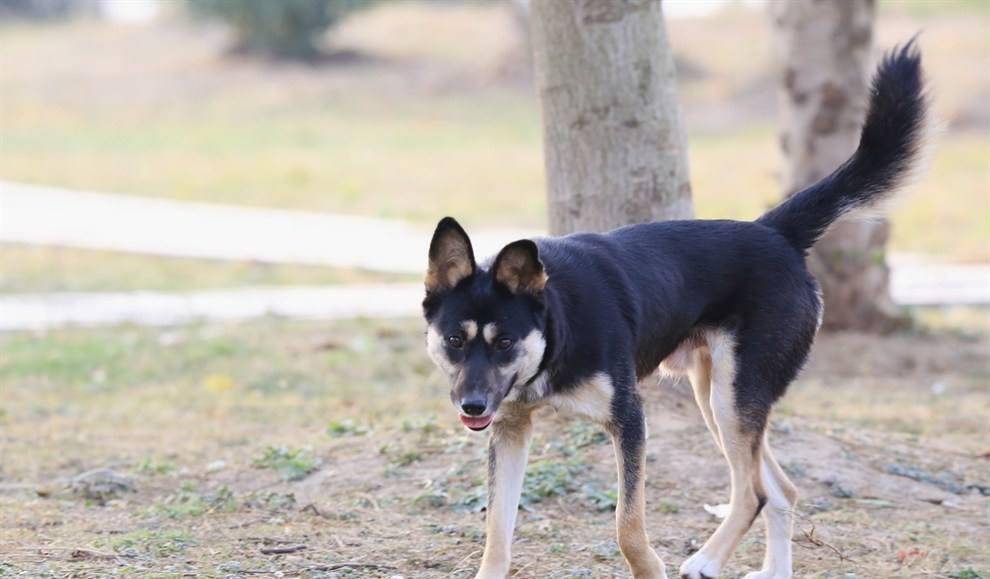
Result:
pixel 614 144
pixel 824 48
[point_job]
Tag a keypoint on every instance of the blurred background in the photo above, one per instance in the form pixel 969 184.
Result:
pixel 213 223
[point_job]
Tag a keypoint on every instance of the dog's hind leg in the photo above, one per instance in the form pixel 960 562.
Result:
pixel 628 431
pixel 699 372
pixel 741 441
pixel 778 517
pixel 508 450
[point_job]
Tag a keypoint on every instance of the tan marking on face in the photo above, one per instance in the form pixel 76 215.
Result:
pixel 490 331
pixel 591 399
pixel 470 328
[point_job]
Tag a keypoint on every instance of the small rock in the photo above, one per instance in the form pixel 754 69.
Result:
pixel 820 505
pixel 839 490
pixel 216 466
pixel 100 485
pixel 229 567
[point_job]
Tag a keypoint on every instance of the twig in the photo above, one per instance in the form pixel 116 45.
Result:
pixel 269 540
pixel 282 550
pixel 810 536
pixel 346 565
pixel 78 554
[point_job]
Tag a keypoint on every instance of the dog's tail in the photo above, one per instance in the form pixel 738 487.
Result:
pixel 890 147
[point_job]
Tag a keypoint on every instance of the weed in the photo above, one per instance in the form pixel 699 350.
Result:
pixel 472 500
pixel 584 434
pixel 153 543
pixel 607 551
pixel 270 501
pixel 342 428
pixel 967 573
pixel 424 426
pixel 547 479
pixel 669 508
pixel 291 463
pixel 432 497
pixel 151 465
pixel 603 500
pixel 407 457
pixel 188 502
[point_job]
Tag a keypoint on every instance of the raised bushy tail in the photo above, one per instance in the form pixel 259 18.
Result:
pixel 890 146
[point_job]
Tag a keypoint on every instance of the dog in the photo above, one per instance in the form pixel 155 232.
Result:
pixel 575 322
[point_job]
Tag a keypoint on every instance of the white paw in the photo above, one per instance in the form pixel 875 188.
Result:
pixel 700 566
pixel 719 511
pixel 767 574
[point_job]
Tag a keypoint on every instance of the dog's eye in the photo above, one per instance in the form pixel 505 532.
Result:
pixel 455 342
pixel 503 344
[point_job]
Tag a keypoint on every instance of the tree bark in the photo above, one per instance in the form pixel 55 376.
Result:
pixel 613 139
pixel 824 48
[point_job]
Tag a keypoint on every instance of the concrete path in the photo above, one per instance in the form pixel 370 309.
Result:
pixel 52 216
pixel 918 285
pixel 46 311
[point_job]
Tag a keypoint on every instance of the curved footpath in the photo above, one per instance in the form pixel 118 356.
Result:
pixel 51 216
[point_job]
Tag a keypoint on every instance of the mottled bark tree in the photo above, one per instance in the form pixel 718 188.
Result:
pixel 824 49
pixel 613 139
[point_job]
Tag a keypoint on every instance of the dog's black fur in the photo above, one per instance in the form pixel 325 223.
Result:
pixel 622 302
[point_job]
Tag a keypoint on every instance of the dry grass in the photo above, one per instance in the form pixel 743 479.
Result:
pixel 211 422
pixel 424 124
pixel 45 269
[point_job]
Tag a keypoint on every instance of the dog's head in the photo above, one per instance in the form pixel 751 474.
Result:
pixel 485 324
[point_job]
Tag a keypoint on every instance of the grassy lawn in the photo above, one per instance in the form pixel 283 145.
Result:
pixel 233 439
pixel 39 269
pixel 204 450
pixel 415 128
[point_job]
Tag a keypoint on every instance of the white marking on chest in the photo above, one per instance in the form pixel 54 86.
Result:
pixel 591 399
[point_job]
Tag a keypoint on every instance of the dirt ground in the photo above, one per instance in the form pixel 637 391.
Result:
pixel 335 443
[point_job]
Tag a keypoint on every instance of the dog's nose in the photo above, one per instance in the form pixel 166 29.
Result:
pixel 473 407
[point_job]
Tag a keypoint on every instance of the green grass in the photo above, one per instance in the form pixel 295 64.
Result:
pixel 290 463
pixel 381 138
pixel 213 424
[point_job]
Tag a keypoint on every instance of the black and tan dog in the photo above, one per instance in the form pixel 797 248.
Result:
pixel 574 322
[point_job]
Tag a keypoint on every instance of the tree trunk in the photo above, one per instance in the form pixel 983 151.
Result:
pixel 824 48
pixel 613 140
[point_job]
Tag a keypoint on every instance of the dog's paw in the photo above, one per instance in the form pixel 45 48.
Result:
pixel 700 566
pixel 719 511
pixel 767 574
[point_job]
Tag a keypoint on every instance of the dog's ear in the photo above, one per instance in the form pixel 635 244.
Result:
pixel 518 267
pixel 451 256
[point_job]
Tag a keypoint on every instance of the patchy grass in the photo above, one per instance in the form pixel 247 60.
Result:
pixel 290 463
pixel 212 468
pixel 35 269
pixel 419 128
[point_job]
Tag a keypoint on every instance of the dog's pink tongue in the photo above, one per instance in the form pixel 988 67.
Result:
pixel 476 422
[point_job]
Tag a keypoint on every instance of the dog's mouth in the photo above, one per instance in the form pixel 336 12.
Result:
pixel 477 423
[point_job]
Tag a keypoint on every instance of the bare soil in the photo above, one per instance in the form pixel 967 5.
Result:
pixel 893 484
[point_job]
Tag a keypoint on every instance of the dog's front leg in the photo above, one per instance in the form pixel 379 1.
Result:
pixel 508 450
pixel 628 430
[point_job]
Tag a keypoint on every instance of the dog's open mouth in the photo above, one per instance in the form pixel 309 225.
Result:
pixel 477 423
